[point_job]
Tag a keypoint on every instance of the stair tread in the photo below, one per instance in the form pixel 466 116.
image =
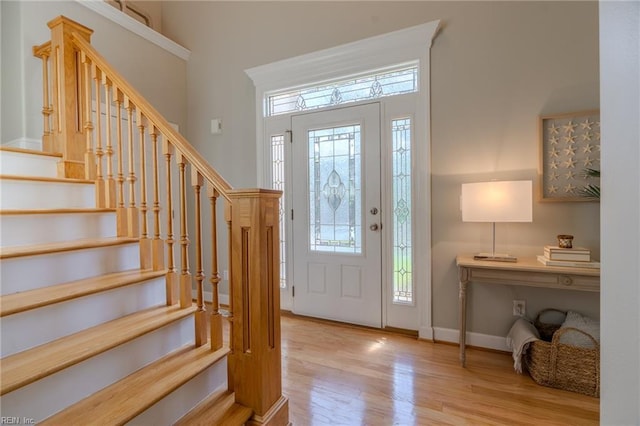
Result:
pixel 46 179
pixel 209 410
pixel 33 364
pixel 36 249
pixel 219 408
pixel 124 400
pixel 54 211
pixel 30 151
pixel 236 415
pixel 19 302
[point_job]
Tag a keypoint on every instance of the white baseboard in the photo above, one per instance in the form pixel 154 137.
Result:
pixel 428 333
pixel 286 302
pixel 224 299
pixel 474 339
pixel 208 297
pixel 425 333
pixel 24 143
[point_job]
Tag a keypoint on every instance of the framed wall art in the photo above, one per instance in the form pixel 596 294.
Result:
pixel 569 154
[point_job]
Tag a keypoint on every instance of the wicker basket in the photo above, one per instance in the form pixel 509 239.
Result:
pixel 567 367
pixel 546 330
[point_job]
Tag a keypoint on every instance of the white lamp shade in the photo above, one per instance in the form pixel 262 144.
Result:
pixel 503 201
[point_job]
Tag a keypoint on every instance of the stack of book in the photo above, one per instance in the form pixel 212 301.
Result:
pixel 576 257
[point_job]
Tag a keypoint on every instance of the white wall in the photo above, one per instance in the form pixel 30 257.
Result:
pixel 159 75
pixel 495 67
pixel 12 123
pixel 620 97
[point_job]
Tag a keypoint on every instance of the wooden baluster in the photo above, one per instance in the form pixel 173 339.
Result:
pixel 100 184
pixel 56 130
pixel 230 318
pixel 44 53
pixel 145 242
pixel 121 211
pixel 47 108
pixel 157 245
pixel 89 157
pixel 185 274
pixel 133 219
pixel 215 321
pixel 110 184
pixel 172 275
pixel 201 313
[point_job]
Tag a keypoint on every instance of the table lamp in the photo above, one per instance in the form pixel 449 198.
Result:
pixel 497 201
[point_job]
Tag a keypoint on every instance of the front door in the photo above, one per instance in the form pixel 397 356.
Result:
pixel 337 215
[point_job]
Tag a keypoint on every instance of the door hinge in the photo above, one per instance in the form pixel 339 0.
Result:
pixel 291 214
pixel 293 291
pixel 289 135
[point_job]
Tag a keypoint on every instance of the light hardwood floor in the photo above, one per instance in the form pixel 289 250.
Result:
pixel 341 375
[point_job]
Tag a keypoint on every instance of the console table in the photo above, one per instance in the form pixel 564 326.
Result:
pixel 525 272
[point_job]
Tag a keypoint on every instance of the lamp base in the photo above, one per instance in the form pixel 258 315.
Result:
pixel 495 257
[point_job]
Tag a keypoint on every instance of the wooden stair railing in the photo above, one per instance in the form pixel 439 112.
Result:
pixel 120 152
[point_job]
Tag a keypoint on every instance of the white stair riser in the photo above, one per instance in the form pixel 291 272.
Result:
pixel 27 329
pixel 55 392
pixel 24 143
pixel 27 194
pixel 31 272
pixel 178 403
pixel 22 164
pixel 26 229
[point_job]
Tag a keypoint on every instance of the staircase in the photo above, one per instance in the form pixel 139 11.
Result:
pixel 86 332
pixel 98 325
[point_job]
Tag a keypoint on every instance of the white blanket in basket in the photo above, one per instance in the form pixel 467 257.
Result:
pixel 521 334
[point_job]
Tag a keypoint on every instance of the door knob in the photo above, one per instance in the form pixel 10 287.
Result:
pixel 374 227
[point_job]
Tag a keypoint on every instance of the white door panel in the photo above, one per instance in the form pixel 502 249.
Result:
pixel 337 215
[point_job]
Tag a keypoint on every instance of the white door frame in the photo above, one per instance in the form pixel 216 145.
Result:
pixel 376 52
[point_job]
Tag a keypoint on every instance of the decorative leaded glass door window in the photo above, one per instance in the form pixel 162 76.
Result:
pixel 335 193
pixel 278 181
pixel 372 85
pixel 401 205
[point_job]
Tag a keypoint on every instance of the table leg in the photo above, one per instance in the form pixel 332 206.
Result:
pixel 464 279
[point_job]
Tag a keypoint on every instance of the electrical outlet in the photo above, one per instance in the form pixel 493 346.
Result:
pixel 519 308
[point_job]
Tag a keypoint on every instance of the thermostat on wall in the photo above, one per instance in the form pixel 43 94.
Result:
pixel 216 126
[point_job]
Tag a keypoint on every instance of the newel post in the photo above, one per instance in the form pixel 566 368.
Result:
pixel 68 88
pixel 255 371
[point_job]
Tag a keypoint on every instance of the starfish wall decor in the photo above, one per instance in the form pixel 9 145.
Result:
pixel 569 144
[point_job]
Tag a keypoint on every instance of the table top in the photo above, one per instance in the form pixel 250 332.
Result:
pixel 529 264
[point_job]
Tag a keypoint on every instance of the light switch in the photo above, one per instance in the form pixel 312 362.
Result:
pixel 216 126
